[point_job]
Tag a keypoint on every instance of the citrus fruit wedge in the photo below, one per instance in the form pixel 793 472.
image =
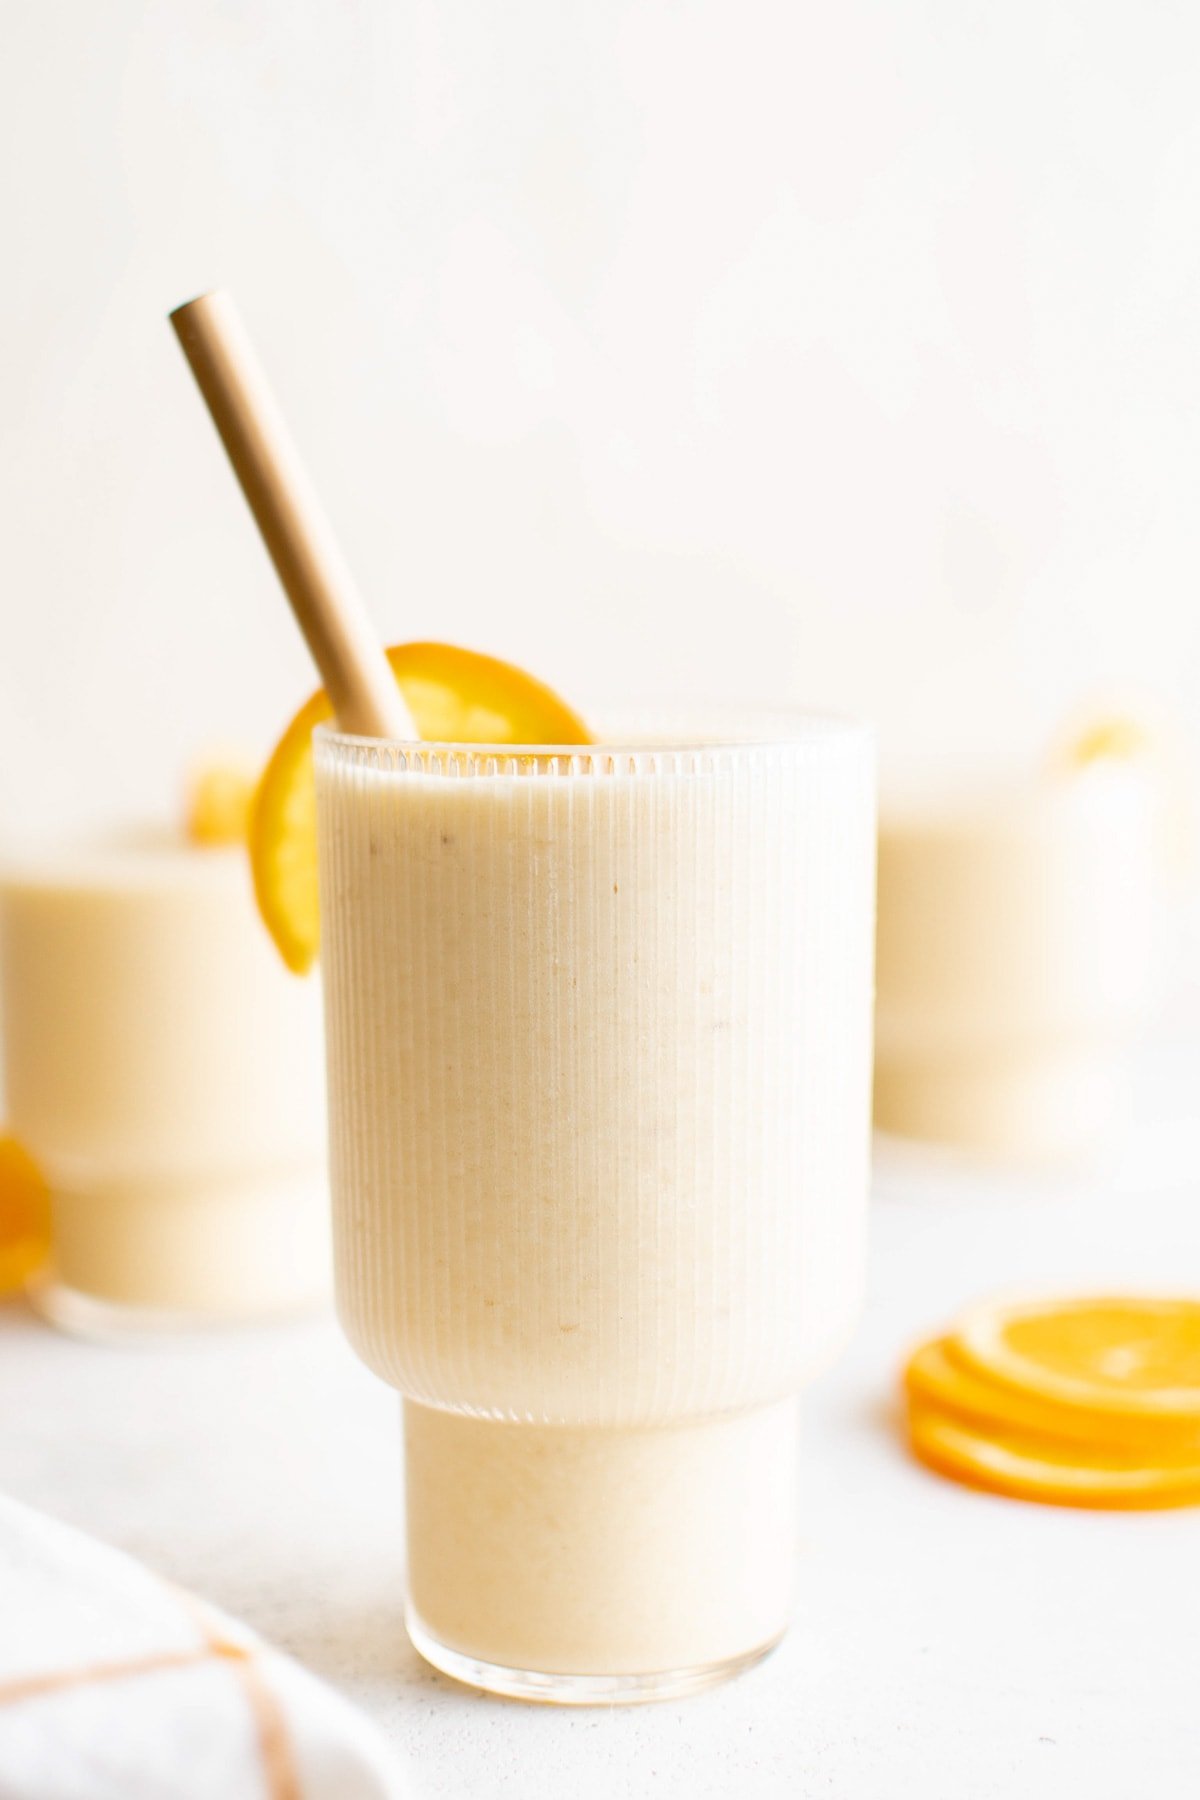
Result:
pixel 455 697
pixel 937 1376
pixel 1108 1358
pixel 1139 742
pixel 1029 1467
pixel 24 1215
pixel 1115 738
pixel 219 798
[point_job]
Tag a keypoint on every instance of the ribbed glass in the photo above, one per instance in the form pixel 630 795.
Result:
pixel 599 1062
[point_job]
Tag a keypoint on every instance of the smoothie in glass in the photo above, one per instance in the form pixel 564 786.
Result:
pixel 599 1047
pixel 165 1072
pixel 1017 927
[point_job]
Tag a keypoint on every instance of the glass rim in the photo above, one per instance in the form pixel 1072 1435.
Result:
pixel 723 732
pixel 118 858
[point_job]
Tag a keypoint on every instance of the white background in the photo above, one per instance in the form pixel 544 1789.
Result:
pixel 839 353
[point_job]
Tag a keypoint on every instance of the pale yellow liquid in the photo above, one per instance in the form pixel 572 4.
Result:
pixel 165 1071
pixel 599 1054
pixel 566 1549
pixel 1016 926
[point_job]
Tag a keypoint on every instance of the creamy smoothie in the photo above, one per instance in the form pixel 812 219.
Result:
pixel 599 1056
pixel 1016 926
pixel 165 1071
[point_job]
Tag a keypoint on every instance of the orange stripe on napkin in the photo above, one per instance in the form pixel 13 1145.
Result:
pixel 274 1743
pixel 31 1687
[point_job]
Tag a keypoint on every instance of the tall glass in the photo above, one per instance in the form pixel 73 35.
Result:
pixel 599 1031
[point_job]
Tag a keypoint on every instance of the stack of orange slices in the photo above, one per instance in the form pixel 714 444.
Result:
pixel 220 794
pixel 1088 1401
pixel 24 1215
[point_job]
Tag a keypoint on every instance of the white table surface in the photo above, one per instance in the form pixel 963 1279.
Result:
pixel 948 1645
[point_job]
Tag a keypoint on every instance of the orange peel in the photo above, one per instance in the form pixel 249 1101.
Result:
pixel 24 1215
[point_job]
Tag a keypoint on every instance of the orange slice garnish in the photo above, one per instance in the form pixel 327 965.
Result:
pixel 1031 1467
pixel 24 1215
pixel 220 795
pixel 1108 1358
pixel 455 696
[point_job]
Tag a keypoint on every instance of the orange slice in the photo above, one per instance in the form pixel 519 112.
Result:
pixel 1141 740
pixel 24 1215
pixel 1111 1359
pixel 455 696
pixel 1030 1467
pixel 1109 739
pixel 1123 729
pixel 937 1377
pixel 220 795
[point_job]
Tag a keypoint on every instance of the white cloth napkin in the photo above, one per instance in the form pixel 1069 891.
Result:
pixel 116 1686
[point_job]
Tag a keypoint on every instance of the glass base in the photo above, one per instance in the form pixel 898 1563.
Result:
pixel 1028 1105
pixel 593 1564
pixel 577 1690
pixel 113 1322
